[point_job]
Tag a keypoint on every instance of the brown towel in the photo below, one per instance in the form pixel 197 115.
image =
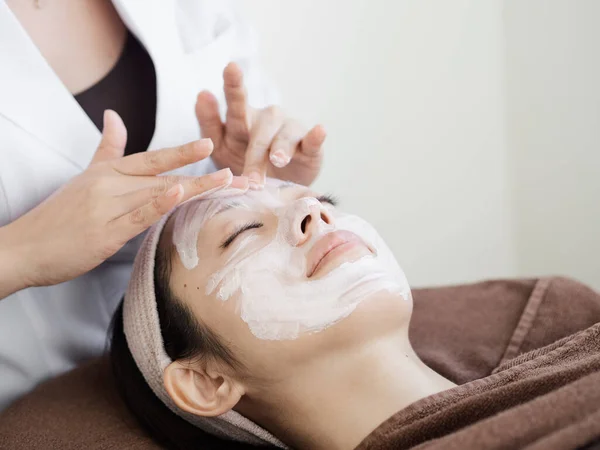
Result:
pixel 462 332
pixel 545 399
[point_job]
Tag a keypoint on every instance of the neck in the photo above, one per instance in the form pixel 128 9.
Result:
pixel 356 391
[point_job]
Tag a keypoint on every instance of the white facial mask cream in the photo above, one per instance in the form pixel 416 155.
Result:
pixel 191 216
pixel 269 280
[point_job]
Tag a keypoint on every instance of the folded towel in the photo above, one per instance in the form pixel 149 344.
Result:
pixel 546 399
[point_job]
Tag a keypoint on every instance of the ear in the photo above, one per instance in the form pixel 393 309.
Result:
pixel 203 391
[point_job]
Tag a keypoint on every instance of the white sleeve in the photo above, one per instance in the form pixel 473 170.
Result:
pixel 200 21
pixel 261 91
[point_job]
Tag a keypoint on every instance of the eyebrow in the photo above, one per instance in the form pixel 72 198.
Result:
pixel 225 207
pixel 229 205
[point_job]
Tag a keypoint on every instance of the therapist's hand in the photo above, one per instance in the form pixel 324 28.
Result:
pixel 258 142
pixel 91 217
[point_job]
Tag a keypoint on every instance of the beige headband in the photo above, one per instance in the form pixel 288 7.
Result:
pixel 144 338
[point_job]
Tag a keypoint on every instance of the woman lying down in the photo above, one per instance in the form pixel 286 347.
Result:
pixel 271 318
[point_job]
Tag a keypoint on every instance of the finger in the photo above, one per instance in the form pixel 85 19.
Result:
pixel 114 138
pixel 161 183
pixel 160 161
pixel 208 183
pixel 236 121
pixel 313 141
pixel 207 113
pixel 136 221
pixel 255 166
pixel 192 186
pixel 285 143
pixel 240 183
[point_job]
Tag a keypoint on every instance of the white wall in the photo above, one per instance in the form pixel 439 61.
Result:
pixel 414 96
pixel 411 93
pixel 553 100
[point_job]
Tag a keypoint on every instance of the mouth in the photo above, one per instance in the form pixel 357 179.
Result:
pixel 333 249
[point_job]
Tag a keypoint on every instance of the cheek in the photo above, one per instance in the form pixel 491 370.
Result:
pixel 275 361
pixel 371 237
pixel 192 281
pixel 260 265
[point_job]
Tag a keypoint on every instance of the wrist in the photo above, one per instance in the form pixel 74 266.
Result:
pixel 13 265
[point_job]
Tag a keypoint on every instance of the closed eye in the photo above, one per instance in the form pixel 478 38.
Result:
pixel 249 226
pixel 328 198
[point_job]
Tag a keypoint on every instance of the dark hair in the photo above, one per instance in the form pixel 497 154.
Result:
pixel 184 338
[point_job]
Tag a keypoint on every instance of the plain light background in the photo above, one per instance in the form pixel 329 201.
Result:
pixel 466 131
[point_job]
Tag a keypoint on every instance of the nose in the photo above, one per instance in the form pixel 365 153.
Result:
pixel 309 221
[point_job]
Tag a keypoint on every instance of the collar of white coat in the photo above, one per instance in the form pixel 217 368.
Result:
pixel 34 98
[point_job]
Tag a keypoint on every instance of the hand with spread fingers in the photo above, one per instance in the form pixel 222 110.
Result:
pixel 258 142
pixel 90 218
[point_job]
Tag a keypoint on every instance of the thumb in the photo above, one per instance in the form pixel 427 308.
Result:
pixel 114 138
pixel 209 119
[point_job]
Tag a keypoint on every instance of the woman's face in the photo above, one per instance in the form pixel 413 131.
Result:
pixel 283 276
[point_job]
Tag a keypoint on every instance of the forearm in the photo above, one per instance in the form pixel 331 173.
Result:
pixel 11 271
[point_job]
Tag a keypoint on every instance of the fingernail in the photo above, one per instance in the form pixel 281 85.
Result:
pixel 255 181
pixel 174 191
pixel 223 175
pixel 240 183
pixel 279 158
pixel 207 142
pixel 105 116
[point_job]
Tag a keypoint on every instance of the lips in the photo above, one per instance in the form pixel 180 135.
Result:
pixel 320 251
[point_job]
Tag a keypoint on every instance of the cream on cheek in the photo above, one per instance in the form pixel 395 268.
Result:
pixel 267 276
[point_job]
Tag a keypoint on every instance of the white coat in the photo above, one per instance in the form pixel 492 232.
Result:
pixel 46 139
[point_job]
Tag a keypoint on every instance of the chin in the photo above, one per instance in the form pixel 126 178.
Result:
pixel 380 315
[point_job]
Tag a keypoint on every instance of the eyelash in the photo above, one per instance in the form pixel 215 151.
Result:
pixel 327 198
pixel 236 233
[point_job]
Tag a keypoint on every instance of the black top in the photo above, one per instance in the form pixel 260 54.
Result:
pixel 129 89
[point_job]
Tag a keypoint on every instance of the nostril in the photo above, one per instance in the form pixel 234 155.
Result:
pixel 305 223
pixel 325 218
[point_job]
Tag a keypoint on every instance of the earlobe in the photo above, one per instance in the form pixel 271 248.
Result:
pixel 200 391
